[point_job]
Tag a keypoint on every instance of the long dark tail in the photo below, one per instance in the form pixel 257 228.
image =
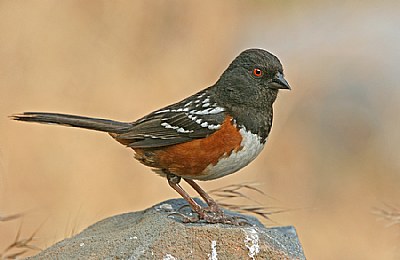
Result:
pixel 98 124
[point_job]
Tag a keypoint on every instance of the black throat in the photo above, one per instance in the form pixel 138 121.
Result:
pixel 250 110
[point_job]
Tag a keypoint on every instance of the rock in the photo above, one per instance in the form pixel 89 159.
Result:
pixel 156 234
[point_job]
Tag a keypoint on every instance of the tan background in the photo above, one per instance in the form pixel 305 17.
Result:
pixel 333 154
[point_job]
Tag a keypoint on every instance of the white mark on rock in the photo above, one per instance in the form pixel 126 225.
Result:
pixel 251 242
pixel 82 244
pixel 213 255
pixel 166 207
pixel 276 241
pixel 169 257
pixel 135 237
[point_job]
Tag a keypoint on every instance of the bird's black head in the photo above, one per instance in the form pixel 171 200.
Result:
pixel 252 80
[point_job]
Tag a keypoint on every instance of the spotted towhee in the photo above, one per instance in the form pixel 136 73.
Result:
pixel 206 136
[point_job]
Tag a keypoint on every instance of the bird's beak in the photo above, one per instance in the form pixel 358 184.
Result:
pixel 279 82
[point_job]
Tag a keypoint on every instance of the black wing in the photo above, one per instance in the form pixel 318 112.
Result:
pixel 195 117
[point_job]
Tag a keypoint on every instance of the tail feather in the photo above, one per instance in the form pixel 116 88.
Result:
pixel 98 124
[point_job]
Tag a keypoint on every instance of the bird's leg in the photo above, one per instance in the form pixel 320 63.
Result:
pixel 213 206
pixel 173 181
pixel 212 215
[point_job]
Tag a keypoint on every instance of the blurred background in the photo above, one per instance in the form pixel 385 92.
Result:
pixel 332 157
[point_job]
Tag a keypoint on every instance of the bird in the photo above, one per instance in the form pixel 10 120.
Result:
pixel 208 135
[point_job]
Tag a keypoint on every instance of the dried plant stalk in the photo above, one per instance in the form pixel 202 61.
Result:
pixel 234 191
pixel 389 213
pixel 20 245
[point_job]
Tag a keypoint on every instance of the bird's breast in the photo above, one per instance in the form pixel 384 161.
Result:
pixel 250 147
pixel 224 152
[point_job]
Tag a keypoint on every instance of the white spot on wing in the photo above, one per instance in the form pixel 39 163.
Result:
pixel 177 128
pixel 202 95
pixel 181 109
pixel 162 111
pixel 217 110
pixel 214 127
pixel 185 109
pixel 168 126
pixel 182 130
pixel 192 117
pixel 207 111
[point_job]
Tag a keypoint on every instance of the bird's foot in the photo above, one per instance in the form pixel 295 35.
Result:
pixel 221 217
pixel 209 216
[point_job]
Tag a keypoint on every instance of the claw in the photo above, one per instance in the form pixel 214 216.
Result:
pixel 214 210
pixel 223 219
pixel 242 221
pixel 209 215
pixel 183 207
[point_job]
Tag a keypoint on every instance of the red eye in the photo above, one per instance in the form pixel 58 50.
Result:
pixel 257 72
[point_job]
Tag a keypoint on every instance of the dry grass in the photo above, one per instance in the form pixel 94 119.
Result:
pixel 19 246
pixel 389 213
pixel 10 217
pixel 226 196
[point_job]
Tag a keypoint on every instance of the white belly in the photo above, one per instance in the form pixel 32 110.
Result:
pixel 251 147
